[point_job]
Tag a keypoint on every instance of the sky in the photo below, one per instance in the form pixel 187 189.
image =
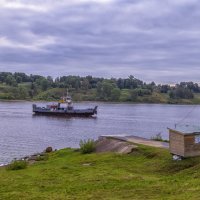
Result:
pixel 153 40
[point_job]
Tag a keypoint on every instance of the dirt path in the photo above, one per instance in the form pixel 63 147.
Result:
pixel 139 140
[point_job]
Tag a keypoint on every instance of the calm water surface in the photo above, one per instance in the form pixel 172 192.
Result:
pixel 22 133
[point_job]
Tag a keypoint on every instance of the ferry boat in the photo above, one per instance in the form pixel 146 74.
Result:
pixel 64 108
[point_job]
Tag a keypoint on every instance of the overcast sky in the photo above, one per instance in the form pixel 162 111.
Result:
pixel 151 39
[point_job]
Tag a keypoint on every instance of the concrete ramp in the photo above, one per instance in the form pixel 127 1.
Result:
pixel 108 144
pixel 139 140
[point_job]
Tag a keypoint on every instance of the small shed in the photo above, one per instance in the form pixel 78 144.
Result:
pixel 184 141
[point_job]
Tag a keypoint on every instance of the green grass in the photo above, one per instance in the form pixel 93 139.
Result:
pixel 147 173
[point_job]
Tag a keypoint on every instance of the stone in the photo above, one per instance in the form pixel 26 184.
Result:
pixel 49 149
pixel 87 164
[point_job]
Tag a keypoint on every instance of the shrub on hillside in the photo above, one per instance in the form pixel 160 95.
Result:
pixel 42 157
pixel 87 146
pixel 17 165
pixel 158 137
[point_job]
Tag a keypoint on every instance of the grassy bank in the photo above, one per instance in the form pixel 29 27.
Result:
pixel 147 173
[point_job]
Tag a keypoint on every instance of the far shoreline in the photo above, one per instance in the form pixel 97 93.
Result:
pixel 106 102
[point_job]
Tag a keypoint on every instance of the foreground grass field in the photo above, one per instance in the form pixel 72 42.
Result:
pixel 147 173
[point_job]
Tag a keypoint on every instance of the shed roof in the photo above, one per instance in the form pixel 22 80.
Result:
pixel 186 129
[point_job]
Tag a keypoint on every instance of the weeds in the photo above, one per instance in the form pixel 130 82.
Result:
pixel 158 137
pixel 87 146
pixel 17 165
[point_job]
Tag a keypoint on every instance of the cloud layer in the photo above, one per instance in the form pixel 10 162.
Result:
pixel 151 39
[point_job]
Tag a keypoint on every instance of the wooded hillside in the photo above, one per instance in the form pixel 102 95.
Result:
pixel 22 86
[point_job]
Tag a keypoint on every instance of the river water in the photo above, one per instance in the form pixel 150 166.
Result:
pixel 22 133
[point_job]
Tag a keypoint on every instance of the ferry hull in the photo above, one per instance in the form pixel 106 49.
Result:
pixel 65 113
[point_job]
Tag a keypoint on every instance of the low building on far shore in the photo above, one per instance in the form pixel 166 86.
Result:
pixel 184 141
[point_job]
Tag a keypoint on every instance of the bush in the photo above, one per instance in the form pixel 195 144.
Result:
pixel 42 157
pixel 17 165
pixel 158 137
pixel 87 146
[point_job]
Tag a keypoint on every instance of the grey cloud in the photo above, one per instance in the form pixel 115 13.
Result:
pixel 153 40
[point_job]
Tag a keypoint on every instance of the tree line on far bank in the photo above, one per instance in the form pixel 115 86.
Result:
pixel 22 86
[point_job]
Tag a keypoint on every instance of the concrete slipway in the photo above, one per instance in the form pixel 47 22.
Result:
pixel 125 144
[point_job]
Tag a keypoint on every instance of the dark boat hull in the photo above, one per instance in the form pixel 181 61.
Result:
pixel 65 113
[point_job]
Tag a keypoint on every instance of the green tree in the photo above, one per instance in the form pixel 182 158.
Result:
pixel 23 92
pixel 115 94
pixel 85 84
pixel 19 79
pixel 134 95
pixel 107 88
pixel 44 84
pixel 10 80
